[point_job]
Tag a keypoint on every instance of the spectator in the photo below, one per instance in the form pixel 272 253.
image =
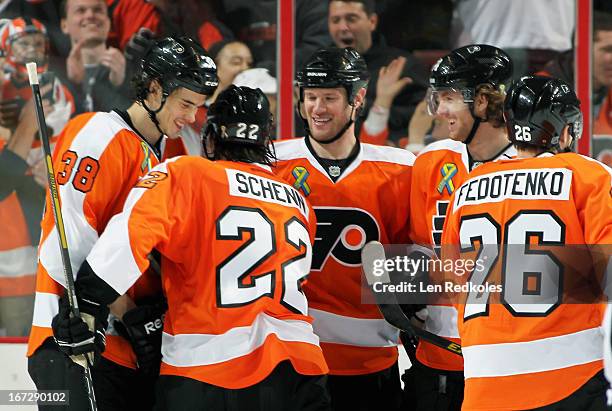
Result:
pixel 531 32
pixel 254 22
pixel 353 23
pixel 22 197
pixel 231 57
pixel 260 78
pixel 389 84
pixel 22 171
pixel 97 73
pixel 24 40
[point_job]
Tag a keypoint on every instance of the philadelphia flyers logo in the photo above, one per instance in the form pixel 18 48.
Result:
pixel 341 234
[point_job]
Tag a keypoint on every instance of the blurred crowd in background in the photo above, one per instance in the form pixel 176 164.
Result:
pixel 87 51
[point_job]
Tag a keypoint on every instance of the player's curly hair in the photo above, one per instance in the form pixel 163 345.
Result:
pixel 495 106
pixel 263 154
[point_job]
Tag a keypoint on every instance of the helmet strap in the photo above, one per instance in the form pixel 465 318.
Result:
pixel 153 113
pixel 340 133
pixel 304 121
pixel 477 121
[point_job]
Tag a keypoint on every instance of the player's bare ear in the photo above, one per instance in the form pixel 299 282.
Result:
pixel 359 100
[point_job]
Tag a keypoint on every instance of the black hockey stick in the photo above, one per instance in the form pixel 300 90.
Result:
pixel 388 304
pixel 59 221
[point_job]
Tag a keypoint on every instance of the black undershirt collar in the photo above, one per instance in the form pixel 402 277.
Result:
pixel 334 168
pixel 474 163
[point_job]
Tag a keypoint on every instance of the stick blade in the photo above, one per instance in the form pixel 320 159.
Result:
pixel 372 252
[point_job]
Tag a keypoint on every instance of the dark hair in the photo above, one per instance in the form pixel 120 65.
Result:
pixel 139 85
pixel 246 154
pixel 602 21
pixel 63 9
pixel 215 48
pixel 369 6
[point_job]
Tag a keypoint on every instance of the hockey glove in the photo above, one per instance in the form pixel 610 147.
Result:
pixel 81 335
pixel 138 45
pixel 142 327
pixel 10 111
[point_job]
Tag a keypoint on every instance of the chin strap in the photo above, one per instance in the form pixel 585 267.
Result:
pixel 477 121
pixel 153 113
pixel 338 135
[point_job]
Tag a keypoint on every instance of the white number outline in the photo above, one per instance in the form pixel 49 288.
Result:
pixel 230 273
pixel 540 309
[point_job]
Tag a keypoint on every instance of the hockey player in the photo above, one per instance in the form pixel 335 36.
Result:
pixel 466 89
pixel 98 158
pixel 236 245
pixel 545 230
pixel 349 185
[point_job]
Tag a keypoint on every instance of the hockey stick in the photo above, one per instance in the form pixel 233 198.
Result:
pixel 389 306
pixel 59 222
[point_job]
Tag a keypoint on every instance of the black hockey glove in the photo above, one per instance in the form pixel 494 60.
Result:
pixel 10 111
pixel 81 335
pixel 142 327
pixel 138 45
pixel 419 276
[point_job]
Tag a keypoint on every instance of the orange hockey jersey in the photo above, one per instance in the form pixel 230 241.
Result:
pixel 543 228
pixel 236 245
pixel 97 160
pixel 438 170
pixel 368 202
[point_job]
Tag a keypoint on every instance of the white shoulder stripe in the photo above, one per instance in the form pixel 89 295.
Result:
pixel 290 149
pixel 387 154
pixel 97 133
pixel 446 144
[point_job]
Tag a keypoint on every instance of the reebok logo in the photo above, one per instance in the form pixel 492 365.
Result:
pixel 153 326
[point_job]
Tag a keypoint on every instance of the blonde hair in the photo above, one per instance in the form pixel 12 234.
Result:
pixel 495 107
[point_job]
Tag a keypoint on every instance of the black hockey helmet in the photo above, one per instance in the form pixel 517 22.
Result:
pixel 180 62
pixel 239 115
pixel 468 67
pixel 332 67
pixel 538 108
pixel 463 70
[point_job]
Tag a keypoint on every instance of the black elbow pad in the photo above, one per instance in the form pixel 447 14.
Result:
pixel 88 286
